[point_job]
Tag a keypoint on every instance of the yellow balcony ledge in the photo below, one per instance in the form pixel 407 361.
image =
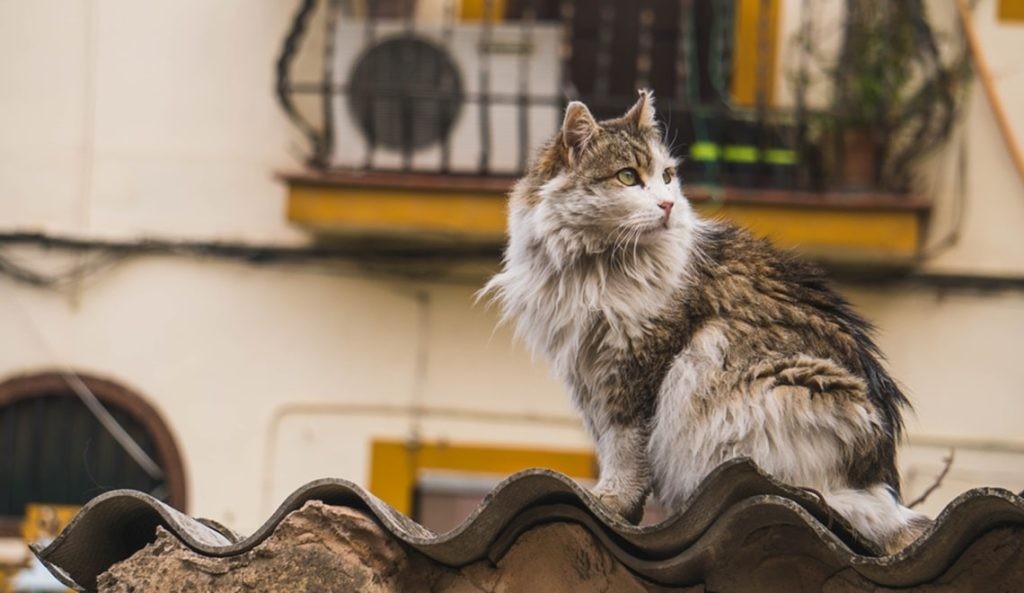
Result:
pixel 431 209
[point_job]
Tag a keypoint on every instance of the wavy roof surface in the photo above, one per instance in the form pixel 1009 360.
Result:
pixel 735 503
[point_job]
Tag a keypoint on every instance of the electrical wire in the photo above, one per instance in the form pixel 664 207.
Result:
pixel 403 262
pixel 81 269
pixel 436 269
pixel 88 398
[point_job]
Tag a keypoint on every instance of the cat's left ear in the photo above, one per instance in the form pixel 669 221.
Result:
pixel 641 114
pixel 578 129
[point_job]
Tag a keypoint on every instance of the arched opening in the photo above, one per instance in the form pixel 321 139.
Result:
pixel 53 450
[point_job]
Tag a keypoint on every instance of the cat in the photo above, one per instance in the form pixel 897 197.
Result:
pixel 686 342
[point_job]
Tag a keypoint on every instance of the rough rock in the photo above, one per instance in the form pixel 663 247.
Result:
pixel 327 548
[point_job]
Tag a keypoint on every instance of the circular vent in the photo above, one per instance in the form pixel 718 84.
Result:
pixel 405 92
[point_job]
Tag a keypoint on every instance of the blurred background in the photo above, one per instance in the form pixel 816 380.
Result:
pixel 240 241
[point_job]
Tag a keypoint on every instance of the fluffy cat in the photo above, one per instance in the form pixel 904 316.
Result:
pixel 685 342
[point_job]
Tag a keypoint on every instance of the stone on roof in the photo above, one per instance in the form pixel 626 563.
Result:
pixel 539 530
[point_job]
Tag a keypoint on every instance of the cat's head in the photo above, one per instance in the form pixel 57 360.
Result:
pixel 603 186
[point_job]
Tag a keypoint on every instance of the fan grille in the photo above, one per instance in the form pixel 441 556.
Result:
pixel 405 93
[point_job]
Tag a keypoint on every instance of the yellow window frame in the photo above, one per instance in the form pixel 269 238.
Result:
pixel 747 48
pixel 1011 11
pixel 395 466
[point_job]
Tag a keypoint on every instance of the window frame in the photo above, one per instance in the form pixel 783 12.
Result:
pixel 395 465
pixel 168 455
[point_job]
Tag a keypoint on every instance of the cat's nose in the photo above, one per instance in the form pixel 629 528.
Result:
pixel 666 206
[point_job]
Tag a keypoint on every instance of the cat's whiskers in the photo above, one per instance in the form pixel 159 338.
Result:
pixel 620 236
pixel 625 235
pixel 636 242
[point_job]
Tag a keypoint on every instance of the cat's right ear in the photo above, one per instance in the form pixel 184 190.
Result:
pixel 578 129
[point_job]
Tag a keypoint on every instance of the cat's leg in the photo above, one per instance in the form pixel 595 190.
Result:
pixel 625 479
pixel 819 429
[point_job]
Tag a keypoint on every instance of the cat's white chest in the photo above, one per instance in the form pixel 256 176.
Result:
pixel 684 444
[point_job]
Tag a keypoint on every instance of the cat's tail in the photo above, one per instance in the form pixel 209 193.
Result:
pixel 877 513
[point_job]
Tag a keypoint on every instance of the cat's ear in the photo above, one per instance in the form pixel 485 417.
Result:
pixel 641 114
pixel 578 128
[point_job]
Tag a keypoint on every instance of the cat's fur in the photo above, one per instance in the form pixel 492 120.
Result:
pixel 685 343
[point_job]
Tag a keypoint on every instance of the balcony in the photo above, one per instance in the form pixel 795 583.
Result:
pixel 418 116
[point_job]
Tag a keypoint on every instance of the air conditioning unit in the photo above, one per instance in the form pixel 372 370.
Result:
pixel 438 98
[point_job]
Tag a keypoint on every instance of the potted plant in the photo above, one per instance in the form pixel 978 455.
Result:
pixel 893 96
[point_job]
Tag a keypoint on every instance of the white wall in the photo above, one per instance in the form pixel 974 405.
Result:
pixel 222 349
pixel 128 119
pixel 123 118
pixel 957 355
pixel 957 351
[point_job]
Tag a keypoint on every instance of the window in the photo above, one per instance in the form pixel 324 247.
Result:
pixel 53 449
pixel 440 484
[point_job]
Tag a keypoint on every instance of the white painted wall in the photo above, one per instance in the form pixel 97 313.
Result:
pixel 222 349
pixel 155 118
pixel 127 119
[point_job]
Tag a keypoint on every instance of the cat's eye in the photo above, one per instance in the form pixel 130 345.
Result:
pixel 628 176
pixel 667 175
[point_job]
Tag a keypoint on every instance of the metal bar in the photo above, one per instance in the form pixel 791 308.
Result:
pixel 369 95
pixel 68 415
pixel 719 53
pixel 283 69
pixel 645 44
pixel 121 474
pixel 567 11
pixel 803 74
pixel 761 75
pixel 685 89
pixel 484 65
pixel 605 37
pixel 761 80
pixel 406 108
pixel 327 102
pixel 523 72
pixel 7 420
pixel 447 30
pixel 22 460
pixel 35 456
pixel 91 452
pixel 99 478
pixel 493 97
pixel 77 436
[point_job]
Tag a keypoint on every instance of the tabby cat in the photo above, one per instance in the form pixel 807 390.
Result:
pixel 686 342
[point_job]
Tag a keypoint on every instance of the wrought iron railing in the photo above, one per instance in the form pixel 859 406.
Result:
pixel 746 99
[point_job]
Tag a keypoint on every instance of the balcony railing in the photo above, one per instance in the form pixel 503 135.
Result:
pixel 749 91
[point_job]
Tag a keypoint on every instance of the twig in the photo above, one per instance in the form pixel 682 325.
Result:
pixel 938 481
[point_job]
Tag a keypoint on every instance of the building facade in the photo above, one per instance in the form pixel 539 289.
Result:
pixel 132 123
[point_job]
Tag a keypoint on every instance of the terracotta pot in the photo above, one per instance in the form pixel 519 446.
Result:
pixel 859 169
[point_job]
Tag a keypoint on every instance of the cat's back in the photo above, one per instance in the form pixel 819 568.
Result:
pixel 773 306
pixel 747 282
pixel 772 329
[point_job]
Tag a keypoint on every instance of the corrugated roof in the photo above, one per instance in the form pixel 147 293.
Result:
pixel 735 501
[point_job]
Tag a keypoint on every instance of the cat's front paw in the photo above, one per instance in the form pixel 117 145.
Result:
pixel 629 508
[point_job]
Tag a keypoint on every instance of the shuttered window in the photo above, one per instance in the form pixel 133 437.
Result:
pixel 54 450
